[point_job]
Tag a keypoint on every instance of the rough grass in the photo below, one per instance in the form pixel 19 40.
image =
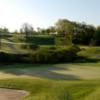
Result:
pixel 41 89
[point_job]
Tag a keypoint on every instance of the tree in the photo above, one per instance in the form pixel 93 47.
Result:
pixel 96 39
pixel 83 33
pixel 27 30
pixel 6 30
pixel 50 29
pixel 0 38
pixel 41 31
pixel 3 32
pixel 65 28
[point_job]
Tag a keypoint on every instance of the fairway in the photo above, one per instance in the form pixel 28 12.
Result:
pixel 73 81
pixel 52 71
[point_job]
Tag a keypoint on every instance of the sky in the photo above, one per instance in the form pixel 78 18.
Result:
pixel 45 13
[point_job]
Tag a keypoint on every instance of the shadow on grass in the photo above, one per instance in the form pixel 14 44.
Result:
pixel 41 72
pixel 45 70
pixel 86 60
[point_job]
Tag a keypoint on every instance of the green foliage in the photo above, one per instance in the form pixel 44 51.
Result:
pixel 83 34
pixel 73 32
pixel 42 40
pixel 29 46
pixel 64 26
pixel 43 55
pixel 13 58
pixel 26 30
pixel 4 30
pixel 63 40
pixel 96 39
pixel 55 55
pixel 75 48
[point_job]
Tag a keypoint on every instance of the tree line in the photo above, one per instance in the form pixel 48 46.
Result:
pixel 78 33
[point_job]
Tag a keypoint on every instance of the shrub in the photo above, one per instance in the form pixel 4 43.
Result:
pixel 13 58
pixel 53 47
pixel 33 46
pixel 43 55
pixel 42 40
pixel 24 46
pixel 74 48
pixel 29 46
pixel 48 55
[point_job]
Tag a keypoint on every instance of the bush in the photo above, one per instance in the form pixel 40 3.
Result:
pixel 48 55
pixel 42 40
pixel 33 46
pixel 43 55
pixel 53 47
pixel 29 46
pixel 24 46
pixel 13 58
pixel 74 48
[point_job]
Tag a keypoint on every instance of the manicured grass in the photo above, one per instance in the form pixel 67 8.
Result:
pixel 12 47
pixel 75 71
pixel 45 82
pixel 35 39
pixel 91 52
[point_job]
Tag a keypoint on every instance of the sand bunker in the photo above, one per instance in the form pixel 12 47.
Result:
pixel 10 94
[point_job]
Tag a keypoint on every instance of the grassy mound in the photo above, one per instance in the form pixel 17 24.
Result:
pixel 90 52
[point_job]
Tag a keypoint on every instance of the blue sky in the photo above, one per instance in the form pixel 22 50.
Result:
pixel 44 13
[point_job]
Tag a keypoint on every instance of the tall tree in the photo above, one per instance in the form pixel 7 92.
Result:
pixel 97 36
pixel 3 32
pixel 65 28
pixel 27 30
pixel 83 33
